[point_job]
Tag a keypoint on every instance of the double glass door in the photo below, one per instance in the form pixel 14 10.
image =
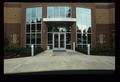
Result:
pixel 59 41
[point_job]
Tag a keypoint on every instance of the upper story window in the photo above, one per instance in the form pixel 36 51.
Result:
pixel 54 12
pixel 33 15
pixel 83 16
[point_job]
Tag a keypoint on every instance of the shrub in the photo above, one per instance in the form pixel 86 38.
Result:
pixel 20 52
pixel 98 51
pixel 103 51
pixel 81 50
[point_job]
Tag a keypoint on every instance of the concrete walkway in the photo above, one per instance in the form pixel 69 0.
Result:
pixel 49 60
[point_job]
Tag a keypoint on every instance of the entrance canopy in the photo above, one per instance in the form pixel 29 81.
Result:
pixel 59 19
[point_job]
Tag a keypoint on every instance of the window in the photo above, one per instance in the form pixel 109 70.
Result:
pixel 101 38
pixel 53 12
pixel 33 26
pixel 14 37
pixel 83 25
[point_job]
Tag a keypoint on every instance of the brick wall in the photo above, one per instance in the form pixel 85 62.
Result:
pixel 12 22
pixel 105 21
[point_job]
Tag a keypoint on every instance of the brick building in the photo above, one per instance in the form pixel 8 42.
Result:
pixel 59 25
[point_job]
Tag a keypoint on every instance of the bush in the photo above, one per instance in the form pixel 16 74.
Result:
pixel 6 42
pixel 20 52
pixel 103 51
pixel 82 50
pixel 98 51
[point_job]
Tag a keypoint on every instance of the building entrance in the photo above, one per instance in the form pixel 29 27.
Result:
pixel 59 41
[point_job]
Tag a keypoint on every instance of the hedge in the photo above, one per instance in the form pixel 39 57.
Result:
pixel 98 51
pixel 20 52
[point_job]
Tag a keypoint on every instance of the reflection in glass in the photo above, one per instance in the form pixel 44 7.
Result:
pixel 83 26
pixel 62 12
pixel 33 21
pixel 50 12
pixel 79 38
pixel 58 11
pixel 68 38
pixel 38 38
pixel 83 16
pixel 56 40
pixel 28 38
pixel 68 46
pixel 32 38
pixel 33 28
pixel 68 12
pixel 50 38
pixel 28 27
pixel 61 40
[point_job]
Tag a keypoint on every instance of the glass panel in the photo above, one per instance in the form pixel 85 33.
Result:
pixel 84 38
pixel 62 11
pixel 28 27
pixel 68 38
pixel 89 38
pixel 68 46
pixel 68 28
pixel 61 40
pixel 38 38
pixel 28 39
pixel 62 29
pixel 50 12
pixel 79 38
pixel 50 28
pixel 68 12
pixel 33 28
pixel 55 29
pixel 83 16
pixel 38 27
pixel 33 12
pixel 56 11
pixel 50 38
pixel 33 17
pixel 32 38
pixel 56 40
pixel 39 12
pixel 50 46
pixel 79 46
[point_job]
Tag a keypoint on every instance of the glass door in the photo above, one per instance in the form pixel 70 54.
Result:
pixel 56 39
pixel 59 41
pixel 62 41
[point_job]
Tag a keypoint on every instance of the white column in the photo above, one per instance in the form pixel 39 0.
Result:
pixel 74 46
pixel 88 46
pixel 32 50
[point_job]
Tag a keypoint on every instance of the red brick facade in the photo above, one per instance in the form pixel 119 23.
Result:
pixel 19 28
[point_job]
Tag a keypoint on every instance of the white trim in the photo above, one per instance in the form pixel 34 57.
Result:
pixel 59 19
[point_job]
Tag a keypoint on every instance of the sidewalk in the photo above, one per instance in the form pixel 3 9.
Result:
pixel 50 60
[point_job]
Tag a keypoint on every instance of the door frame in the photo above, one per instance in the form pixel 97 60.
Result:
pixel 59 40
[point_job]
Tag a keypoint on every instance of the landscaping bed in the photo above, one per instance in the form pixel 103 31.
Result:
pixel 98 51
pixel 19 52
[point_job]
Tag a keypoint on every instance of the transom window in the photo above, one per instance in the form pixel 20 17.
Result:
pixel 53 12
pixel 33 26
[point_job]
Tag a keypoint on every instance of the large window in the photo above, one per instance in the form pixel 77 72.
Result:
pixel 83 16
pixel 53 12
pixel 33 26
